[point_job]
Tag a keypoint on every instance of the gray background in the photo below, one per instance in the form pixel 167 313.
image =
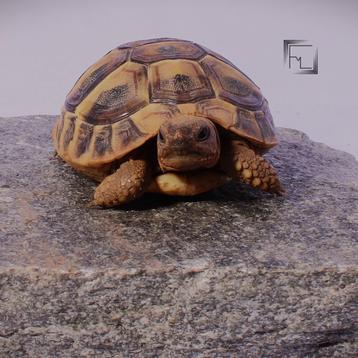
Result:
pixel 46 45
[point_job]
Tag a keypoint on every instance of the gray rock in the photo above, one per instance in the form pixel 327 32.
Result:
pixel 232 273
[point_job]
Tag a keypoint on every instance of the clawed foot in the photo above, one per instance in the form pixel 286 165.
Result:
pixel 242 163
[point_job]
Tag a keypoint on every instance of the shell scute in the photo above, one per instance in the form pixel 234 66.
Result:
pixel 178 81
pixel 103 140
pixel 68 136
pixel 246 123
pixel 124 92
pixel 145 42
pixel 94 75
pixel 267 129
pixel 158 51
pixel 232 85
pixel 83 138
pixel 126 132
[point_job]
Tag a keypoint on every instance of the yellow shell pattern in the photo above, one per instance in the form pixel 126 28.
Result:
pixel 120 102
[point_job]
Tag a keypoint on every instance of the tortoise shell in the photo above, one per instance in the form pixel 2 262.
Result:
pixel 120 102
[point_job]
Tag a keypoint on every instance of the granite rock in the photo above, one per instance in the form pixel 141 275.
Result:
pixel 231 273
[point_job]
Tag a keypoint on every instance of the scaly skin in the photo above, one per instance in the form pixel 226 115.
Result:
pixel 128 183
pixel 242 163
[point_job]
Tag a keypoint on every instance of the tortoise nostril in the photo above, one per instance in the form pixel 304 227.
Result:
pixel 161 136
pixel 203 134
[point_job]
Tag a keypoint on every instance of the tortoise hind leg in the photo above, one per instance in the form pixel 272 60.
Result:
pixel 242 163
pixel 128 183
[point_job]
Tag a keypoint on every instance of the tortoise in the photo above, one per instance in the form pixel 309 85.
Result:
pixel 169 116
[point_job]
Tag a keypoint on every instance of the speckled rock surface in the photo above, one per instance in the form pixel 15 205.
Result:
pixel 231 273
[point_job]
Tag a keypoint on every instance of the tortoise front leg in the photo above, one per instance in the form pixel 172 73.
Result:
pixel 242 163
pixel 128 183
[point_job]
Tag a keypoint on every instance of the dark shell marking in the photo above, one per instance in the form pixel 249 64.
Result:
pixel 224 59
pixel 247 124
pixel 59 129
pixel 232 84
pixel 69 132
pixel 103 142
pixel 218 56
pixel 182 83
pixel 239 93
pixel 267 112
pixel 166 50
pixel 112 100
pixel 119 102
pixel 113 96
pixel 266 129
pixel 235 86
pixel 126 131
pixel 178 85
pixel 84 138
pixel 188 86
pixel 90 79
pixel 148 41
pixel 180 89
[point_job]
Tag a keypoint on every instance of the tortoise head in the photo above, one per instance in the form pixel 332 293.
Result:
pixel 187 143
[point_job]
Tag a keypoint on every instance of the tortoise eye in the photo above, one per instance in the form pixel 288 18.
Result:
pixel 160 136
pixel 203 134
